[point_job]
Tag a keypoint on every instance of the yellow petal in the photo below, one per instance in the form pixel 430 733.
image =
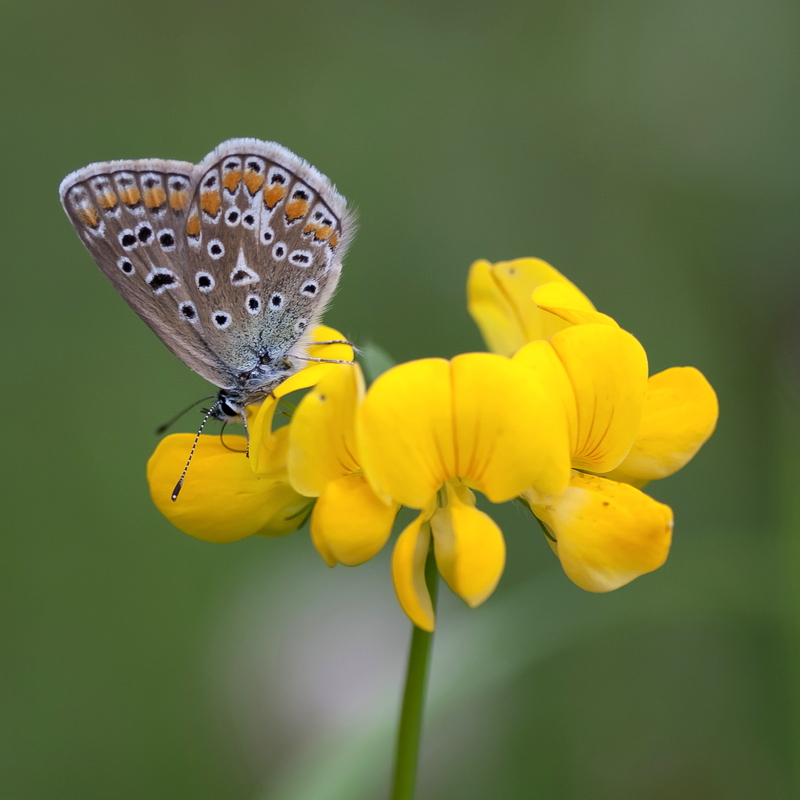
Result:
pixel 350 524
pixel 499 300
pixel 470 549
pixel 322 445
pixel 680 414
pixel 511 430
pixel 607 533
pixel 408 572
pixel 405 431
pixel 263 457
pixel 481 418
pixel 222 499
pixel 607 368
pixel 570 304
pixel 312 372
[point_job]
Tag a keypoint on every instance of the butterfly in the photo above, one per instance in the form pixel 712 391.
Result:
pixel 231 262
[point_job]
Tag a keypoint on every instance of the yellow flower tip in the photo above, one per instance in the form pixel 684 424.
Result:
pixel 607 533
pixel 311 372
pixel 570 304
pixel 481 418
pixel 350 524
pixel 222 499
pixel 408 573
pixel 499 300
pixel 607 368
pixel 680 414
pixel 469 547
pixel 322 441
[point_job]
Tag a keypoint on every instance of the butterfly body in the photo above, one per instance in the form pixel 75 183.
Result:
pixel 231 261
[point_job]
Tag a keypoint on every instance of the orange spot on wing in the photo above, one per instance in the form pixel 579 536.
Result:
pixel 193 225
pixel 178 200
pixel 211 203
pixel 130 196
pixel 273 195
pixel 334 242
pixel 155 197
pixel 232 179
pixel 253 181
pixel 323 232
pixel 108 201
pixel 296 209
pixel 89 215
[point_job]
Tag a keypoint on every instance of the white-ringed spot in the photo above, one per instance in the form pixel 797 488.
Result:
pixel 232 217
pixel 216 249
pixel 188 311
pixel 166 238
pixel 275 301
pixel 309 288
pixel 205 281
pixel 279 251
pixel 161 279
pixel 222 319
pixel 126 265
pixel 301 258
pixel 144 233
pixel 128 240
pixel 253 304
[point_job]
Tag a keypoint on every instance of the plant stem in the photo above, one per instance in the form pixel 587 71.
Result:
pixel 410 727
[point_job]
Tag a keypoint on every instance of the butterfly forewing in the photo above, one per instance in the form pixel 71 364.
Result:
pixel 264 250
pixel 131 216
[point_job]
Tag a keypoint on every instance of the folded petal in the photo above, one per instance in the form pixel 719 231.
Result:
pixel 408 572
pixel 569 303
pixel 481 418
pixel 510 428
pixel 499 300
pixel 222 499
pixel 322 444
pixel 350 523
pixel 606 533
pixel 405 431
pixel 680 414
pixel 469 547
pixel 607 368
pixel 263 444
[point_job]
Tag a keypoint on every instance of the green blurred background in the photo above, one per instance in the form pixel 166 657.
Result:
pixel 649 150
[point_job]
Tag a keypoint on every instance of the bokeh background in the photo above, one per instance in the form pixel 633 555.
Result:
pixel 649 150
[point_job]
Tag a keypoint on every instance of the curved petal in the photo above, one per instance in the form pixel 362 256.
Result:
pixel 606 533
pixel 608 371
pixel 482 418
pixel 222 499
pixel 499 300
pixel 408 572
pixel 570 304
pixel 350 524
pixel 262 440
pixel 313 372
pixel 322 444
pixel 405 431
pixel 469 546
pixel 510 427
pixel 680 414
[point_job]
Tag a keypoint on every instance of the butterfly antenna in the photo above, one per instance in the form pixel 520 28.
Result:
pixel 246 432
pixel 179 485
pixel 322 360
pixel 162 428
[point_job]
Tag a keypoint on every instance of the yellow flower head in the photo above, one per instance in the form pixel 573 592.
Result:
pixel 624 428
pixel 428 433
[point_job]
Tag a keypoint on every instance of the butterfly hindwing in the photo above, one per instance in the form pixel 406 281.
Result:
pixel 264 237
pixel 131 216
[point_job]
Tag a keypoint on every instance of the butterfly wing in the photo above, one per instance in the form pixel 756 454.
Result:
pixel 266 234
pixel 131 216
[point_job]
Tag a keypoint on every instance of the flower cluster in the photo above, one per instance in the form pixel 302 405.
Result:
pixel 561 415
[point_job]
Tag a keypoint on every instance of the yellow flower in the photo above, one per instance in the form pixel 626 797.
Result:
pixel 431 431
pixel 228 496
pixel 350 523
pixel 624 429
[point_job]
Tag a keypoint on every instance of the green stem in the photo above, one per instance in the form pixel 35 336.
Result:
pixel 410 728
